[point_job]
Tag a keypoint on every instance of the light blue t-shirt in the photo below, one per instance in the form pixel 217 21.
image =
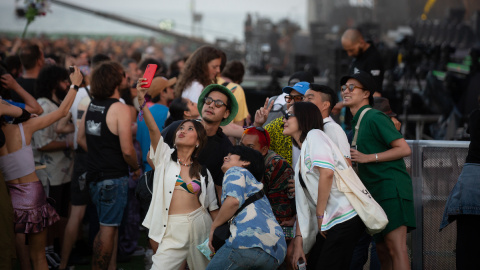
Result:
pixel 255 225
pixel 160 113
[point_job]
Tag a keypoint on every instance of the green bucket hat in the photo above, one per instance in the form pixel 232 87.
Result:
pixel 232 101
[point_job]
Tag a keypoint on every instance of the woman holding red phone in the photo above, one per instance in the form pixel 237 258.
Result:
pixel 183 199
pixel 201 70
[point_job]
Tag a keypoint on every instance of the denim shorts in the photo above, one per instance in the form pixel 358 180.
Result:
pixel 110 198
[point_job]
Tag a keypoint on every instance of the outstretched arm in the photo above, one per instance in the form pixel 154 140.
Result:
pixel 31 104
pixel 8 109
pixel 153 129
pixel 46 120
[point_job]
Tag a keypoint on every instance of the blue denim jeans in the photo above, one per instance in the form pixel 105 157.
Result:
pixel 251 258
pixel 110 198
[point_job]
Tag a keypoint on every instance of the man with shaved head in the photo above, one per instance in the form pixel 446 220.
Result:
pixel 365 56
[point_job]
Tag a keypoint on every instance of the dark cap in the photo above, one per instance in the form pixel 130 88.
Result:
pixel 382 104
pixel 362 77
pixel 300 76
pixel 300 87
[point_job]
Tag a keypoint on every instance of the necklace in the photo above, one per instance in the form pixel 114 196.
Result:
pixel 184 164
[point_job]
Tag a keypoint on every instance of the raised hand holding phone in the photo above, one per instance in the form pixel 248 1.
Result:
pixel 148 75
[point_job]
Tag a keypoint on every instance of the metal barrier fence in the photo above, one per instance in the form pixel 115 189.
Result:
pixel 434 167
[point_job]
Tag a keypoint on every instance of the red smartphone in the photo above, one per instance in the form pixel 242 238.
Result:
pixel 149 72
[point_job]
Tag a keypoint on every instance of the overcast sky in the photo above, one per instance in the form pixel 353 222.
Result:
pixel 220 17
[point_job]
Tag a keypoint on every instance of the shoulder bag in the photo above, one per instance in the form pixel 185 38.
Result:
pixel 222 232
pixel 144 189
pixel 349 183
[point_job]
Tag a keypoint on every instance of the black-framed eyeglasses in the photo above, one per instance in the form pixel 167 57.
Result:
pixel 296 98
pixel 218 102
pixel 350 87
pixel 287 115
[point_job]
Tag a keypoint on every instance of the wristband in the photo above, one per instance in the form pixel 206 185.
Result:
pixel 22 118
pixel 320 217
pixel 76 87
pixel 376 158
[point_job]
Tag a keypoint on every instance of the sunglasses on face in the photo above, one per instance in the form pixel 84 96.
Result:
pixel 218 102
pixel 296 98
pixel 350 87
pixel 287 115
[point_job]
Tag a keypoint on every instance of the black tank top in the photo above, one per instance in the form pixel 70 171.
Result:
pixel 105 157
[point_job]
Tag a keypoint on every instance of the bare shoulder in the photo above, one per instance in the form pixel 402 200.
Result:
pixel 119 109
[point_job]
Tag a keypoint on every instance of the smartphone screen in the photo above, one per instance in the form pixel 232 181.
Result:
pixel 288 231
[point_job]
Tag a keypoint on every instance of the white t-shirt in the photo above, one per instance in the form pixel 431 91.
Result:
pixel 335 132
pixel 319 151
pixel 193 91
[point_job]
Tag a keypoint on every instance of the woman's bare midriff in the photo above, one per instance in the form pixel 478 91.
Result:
pixel 25 179
pixel 183 202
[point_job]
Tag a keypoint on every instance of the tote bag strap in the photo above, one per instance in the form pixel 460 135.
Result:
pixel 354 141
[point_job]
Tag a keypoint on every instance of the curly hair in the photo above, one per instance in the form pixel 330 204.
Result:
pixel 48 79
pixel 196 68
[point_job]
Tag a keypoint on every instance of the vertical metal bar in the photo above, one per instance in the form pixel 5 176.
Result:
pixel 417 178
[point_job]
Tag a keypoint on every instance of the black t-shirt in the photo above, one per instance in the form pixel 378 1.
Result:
pixel 370 61
pixel 26 83
pixel 474 130
pixel 211 156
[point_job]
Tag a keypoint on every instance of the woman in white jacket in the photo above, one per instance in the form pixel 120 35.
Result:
pixel 183 200
pixel 328 226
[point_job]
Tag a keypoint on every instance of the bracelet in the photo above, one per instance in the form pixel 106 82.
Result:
pixel 298 236
pixel 376 158
pixel 320 217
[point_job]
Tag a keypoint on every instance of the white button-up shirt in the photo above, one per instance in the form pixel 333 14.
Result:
pixel 164 179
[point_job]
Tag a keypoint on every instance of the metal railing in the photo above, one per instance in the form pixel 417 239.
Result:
pixel 434 167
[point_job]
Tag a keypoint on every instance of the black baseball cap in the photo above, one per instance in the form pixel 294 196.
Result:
pixel 362 77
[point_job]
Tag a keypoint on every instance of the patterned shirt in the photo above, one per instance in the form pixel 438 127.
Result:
pixel 59 163
pixel 275 180
pixel 280 143
pixel 255 225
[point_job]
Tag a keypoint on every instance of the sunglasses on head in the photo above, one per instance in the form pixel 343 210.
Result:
pixel 296 98
pixel 287 115
pixel 261 129
pixel 218 102
pixel 350 87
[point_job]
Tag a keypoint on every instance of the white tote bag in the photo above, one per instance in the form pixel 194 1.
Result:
pixel 367 208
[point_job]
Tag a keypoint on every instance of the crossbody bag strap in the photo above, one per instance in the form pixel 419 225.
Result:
pixel 250 200
pixel 354 141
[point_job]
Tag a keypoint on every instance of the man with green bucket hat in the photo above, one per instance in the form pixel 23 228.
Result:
pixel 217 107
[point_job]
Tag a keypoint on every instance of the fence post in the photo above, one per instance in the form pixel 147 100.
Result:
pixel 417 234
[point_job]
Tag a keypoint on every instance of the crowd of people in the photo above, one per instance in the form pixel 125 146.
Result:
pixel 88 131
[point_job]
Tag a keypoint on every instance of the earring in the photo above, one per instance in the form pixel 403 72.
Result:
pixel 196 146
pixel 174 145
